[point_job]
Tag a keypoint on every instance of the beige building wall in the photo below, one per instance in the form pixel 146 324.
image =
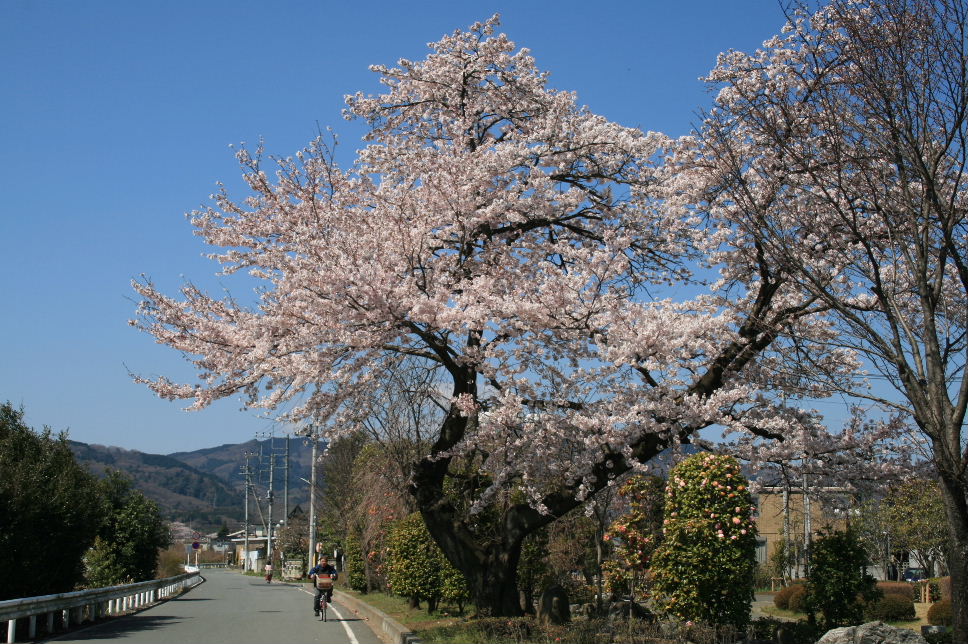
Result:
pixel 770 512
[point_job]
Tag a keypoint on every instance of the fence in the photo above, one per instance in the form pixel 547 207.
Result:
pixel 78 606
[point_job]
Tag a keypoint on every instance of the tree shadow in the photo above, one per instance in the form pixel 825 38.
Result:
pixel 115 627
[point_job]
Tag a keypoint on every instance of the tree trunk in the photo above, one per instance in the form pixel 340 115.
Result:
pixel 494 585
pixel 491 571
pixel 956 508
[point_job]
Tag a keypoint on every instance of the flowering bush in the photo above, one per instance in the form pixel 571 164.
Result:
pixel 703 570
pixel 635 535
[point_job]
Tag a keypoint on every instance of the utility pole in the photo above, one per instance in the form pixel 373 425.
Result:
pixel 312 496
pixel 286 479
pixel 272 461
pixel 787 533
pixel 807 523
pixel 247 472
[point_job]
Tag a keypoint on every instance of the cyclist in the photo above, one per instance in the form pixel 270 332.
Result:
pixel 320 572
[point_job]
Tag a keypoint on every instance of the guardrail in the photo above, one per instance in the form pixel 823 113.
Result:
pixel 78 606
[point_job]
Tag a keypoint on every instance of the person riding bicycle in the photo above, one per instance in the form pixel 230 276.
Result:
pixel 324 575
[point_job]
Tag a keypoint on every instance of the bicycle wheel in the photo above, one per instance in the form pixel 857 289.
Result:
pixel 322 608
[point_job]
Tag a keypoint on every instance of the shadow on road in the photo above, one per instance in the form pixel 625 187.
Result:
pixel 114 627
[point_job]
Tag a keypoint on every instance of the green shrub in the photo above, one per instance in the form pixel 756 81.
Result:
pixel 940 613
pixel 355 566
pixel 838 585
pixel 703 570
pixel 901 588
pixel 761 577
pixel 891 608
pixel 782 599
pixel 413 567
pixel 453 586
pixel 417 568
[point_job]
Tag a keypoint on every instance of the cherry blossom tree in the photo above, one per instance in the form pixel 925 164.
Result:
pixel 838 152
pixel 542 261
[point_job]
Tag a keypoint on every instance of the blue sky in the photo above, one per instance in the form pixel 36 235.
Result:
pixel 116 117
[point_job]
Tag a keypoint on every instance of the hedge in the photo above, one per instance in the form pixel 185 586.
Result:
pixel 940 613
pixel 891 608
pixel 897 588
pixel 782 599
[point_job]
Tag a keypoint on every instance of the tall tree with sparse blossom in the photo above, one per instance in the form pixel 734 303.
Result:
pixel 525 249
pixel 838 151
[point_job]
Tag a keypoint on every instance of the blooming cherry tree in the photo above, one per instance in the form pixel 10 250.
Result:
pixel 532 254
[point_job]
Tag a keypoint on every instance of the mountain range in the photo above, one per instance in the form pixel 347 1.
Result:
pixel 205 487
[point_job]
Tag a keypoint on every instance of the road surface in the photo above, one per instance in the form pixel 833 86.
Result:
pixel 231 608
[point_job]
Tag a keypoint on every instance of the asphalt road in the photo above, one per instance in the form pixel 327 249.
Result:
pixel 230 608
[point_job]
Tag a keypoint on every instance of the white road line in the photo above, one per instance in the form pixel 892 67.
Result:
pixel 346 626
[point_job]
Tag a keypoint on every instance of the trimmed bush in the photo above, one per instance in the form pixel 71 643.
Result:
pixel 798 600
pixel 891 608
pixel 782 599
pixel 901 588
pixel 940 613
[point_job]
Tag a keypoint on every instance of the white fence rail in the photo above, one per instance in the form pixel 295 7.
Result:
pixel 81 605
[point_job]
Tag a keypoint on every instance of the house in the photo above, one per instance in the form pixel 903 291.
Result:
pixel 788 512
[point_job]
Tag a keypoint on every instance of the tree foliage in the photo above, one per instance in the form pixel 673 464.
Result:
pixel 130 537
pixel 911 515
pixel 50 510
pixel 703 569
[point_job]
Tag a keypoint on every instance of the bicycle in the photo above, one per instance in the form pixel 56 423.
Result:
pixel 324 583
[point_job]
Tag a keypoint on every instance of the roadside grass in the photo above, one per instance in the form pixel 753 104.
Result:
pixel 416 618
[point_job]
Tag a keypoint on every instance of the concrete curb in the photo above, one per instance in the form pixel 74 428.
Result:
pixel 387 629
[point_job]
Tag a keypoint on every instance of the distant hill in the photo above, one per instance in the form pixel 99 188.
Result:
pixel 227 461
pixel 204 487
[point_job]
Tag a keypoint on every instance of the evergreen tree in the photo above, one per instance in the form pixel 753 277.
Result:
pixel 839 585
pixel 50 510
pixel 132 534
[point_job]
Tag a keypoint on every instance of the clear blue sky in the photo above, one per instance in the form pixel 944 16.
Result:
pixel 116 117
